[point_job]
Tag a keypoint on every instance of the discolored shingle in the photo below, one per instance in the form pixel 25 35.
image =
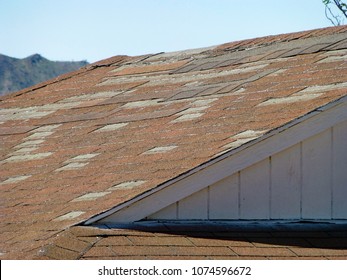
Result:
pixel 94 141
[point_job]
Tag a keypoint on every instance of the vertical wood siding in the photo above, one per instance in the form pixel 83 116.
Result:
pixel 286 184
pixel 224 198
pixel 316 179
pixel 255 191
pixel 305 181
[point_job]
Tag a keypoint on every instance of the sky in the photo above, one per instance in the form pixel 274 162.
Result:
pixel 73 30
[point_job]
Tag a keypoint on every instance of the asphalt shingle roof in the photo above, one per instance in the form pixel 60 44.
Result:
pixel 80 144
pixel 211 241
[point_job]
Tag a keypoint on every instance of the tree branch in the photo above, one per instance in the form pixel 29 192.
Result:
pixel 337 20
pixel 342 7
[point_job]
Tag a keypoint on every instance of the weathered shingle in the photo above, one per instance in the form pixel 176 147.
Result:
pixel 123 126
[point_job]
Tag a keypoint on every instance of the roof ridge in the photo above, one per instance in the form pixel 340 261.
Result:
pixel 234 45
pixel 285 37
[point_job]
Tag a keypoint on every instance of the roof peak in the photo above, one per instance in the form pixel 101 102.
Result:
pixel 238 44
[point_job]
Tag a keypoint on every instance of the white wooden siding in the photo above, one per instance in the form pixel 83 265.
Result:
pixel 255 191
pixel 305 181
pixel 224 198
pixel 194 206
pixel 168 213
pixel 286 184
pixel 316 168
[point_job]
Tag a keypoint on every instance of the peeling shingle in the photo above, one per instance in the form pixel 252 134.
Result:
pixel 163 149
pixel 203 102
pixel 91 96
pixel 90 196
pixel 340 55
pixel 77 162
pixel 83 158
pixel 69 216
pixel 112 127
pixel 127 185
pixel 19 158
pixel 323 88
pixel 23 114
pixel 249 134
pixel 15 179
pixel 194 110
pixel 238 143
pixel 30 143
pixel 39 135
pixel 187 117
pixel 24 151
pixel 140 104
pixel 243 137
pixel 47 128
pixel 290 99
pixel 72 166
pixel 59 106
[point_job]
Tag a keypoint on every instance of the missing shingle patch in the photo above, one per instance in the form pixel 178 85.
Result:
pixel 290 99
pixel 47 128
pixel 91 96
pixel 203 102
pixel 19 158
pixel 39 135
pixel 30 143
pixel 24 151
pixel 82 158
pixel 197 109
pixel 340 55
pixel 69 216
pixel 322 88
pixel 77 162
pixel 112 127
pixel 126 185
pixel 72 166
pixel 15 179
pixel 237 143
pixel 163 149
pixel 143 103
pixel 90 196
pixel 248 134
pixel 23 113
pixel 243 137
pixel 187 117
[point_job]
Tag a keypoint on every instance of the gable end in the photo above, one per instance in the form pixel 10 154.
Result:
pixel 300 163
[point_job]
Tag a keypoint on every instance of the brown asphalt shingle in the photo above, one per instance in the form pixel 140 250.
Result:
pixel 67 144
pixel 212 240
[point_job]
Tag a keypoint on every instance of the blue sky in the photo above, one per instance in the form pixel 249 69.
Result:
pixel 98 29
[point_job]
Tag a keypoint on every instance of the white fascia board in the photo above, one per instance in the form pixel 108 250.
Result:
pixel 225 165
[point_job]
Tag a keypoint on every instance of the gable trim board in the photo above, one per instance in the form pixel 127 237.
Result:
pixel 232 162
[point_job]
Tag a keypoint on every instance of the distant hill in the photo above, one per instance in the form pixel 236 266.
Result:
pixel 16 74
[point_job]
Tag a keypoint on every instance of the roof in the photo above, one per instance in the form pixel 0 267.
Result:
pixel 88 141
